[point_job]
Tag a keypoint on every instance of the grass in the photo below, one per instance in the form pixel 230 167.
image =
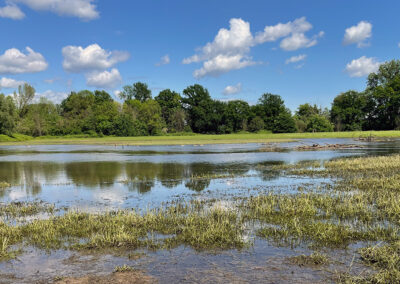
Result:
pixel 360 206
pixel 189 139
pixel 23 209
pixel 4 185
pixel 123 269
pixel 191 225
pixel 313 259
pixel 363 205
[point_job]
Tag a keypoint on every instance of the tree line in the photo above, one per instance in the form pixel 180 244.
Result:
pixel 97 113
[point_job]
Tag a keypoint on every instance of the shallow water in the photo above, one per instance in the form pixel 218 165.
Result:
pixel 101 178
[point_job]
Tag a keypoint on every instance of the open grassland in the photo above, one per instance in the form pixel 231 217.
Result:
pixel 189 139
pixel 361 206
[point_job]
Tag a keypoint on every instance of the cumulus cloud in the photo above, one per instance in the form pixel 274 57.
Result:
pixel 273 33
pixel 231 47
pixel 78 59
pixel 227 52
pixel 232 90
pixel 164 60
pixel 222 64
pixel 8 83
pixel 55 97
pixel 362 66
pixel 295 59
pixel 11 11
pixel 94 61
pixel 105 79
pixel 358 34
pixel 13 61
pixel 299 40
pixel 83 9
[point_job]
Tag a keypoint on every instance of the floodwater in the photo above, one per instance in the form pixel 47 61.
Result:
pixel 102 178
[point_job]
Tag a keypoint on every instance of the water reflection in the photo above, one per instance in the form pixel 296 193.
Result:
pixel 90 172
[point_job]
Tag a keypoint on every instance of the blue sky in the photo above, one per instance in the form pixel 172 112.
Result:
pixel 305 51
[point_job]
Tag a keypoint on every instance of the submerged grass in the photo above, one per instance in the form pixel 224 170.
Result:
pixel 23 209
pixel 313 259
pixel 361 205
pixel 162 228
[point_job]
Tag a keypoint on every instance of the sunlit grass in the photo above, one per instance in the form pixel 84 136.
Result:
pixel 192 139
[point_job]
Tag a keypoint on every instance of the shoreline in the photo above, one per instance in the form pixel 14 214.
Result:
pixel 196 139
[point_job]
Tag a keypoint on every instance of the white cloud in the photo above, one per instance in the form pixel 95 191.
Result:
pixel 164 60
pixel 295 59
pixel 83 9
pixel 237 40
pixel 14 61
pixel 297 41
pixel 227 52
pixel 232 90
pixel 273 33
pixel 12 12
pixel 362 66
pixel 78 59
pixel 105 79
pixel 117 93
pixel 55 97
pixel 293 34
pixel 230 48
pixel 222 64
pixel 358 34
pixel 10 83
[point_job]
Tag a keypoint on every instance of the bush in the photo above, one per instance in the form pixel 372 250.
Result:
pixel 319 123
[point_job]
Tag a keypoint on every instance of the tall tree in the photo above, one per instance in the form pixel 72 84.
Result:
pixel 271 106
pixel 171 106
pixel 24 97
pixel 8 115
pixel 237 115
pixel 200 108
pixel 138 91
pixel 383 97
pixel 348 111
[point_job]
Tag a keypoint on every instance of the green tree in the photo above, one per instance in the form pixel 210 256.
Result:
pixel 148 113
pixel 171 106
pixel 319 123
pixel 77 110
pixel 8 115
pixel 24 97
pixel 237 115
pixel 200 109
pixel 348 111
pixel 178 120
pixel 383 97
pixel 271 106
pixel 41 119
pixel 305 113
pixel 284 123
pixel 138 91
pixel 256 124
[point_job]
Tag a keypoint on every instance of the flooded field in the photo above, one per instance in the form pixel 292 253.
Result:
pixel 231 183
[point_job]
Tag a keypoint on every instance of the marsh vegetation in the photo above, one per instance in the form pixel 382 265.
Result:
pixel 346 204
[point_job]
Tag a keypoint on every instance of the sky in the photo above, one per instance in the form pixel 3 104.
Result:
pixel 305 51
